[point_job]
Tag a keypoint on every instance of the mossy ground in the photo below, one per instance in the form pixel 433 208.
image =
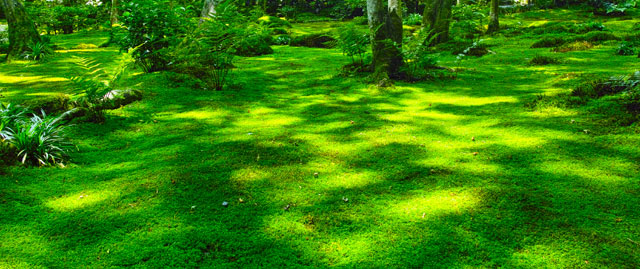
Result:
pixel 532 189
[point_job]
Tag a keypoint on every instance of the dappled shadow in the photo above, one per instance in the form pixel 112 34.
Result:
pixel 324 171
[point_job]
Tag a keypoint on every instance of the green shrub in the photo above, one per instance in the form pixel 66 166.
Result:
pixel 251 44
pixel 543 60
pixel 413 19
pixel 353 43
pixel 549 42
pixel 313 41
pixel 625 49
pixel 417 56
pixel 273 22
pixel 207 55
pixel 152 26
pixel 40 140
pixel 573 46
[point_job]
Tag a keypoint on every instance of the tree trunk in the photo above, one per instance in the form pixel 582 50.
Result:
pixel 209 9
pixel 385 25
pixel 22 31
pixel 494 23
pixel 114 12
pixel 437 18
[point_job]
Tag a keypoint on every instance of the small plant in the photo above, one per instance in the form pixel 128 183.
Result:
pixel 625 49
pixel 353 43
pixel 543 60
pixel 38 51
pixel 93 87
pixel 413 19
pixel 282 40
pixel 40 140
pixel 417 56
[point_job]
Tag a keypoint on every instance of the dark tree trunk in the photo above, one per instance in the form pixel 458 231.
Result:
pixel 494 23
pixel 437 18
pixel 208 10
pixel 22 31
pixel 385 25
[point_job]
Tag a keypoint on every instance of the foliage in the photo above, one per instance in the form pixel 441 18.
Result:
pixel 282 40
pixel 468 21
pixel 353 42
pixel 40 140
pixel 543 60
pixel 597 37
pixel 92 87
pixel 413 19
pixel 207 54
pixel 152 26
pixel 38 51
pixel 625 49
pixel 417 55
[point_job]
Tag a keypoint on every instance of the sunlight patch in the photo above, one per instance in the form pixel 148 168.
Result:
pixel 79 200
pixel 435 204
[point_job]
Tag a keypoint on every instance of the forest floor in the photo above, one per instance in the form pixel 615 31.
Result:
pixel 447 173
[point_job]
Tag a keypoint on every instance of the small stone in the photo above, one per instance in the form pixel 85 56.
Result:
pixel 316 174
pixel 240 200
pixel 473 138
pixel 573 121
pixel 475 153
pixel 353 122
pixel 286 208
pixel 225 203
pixel 345 199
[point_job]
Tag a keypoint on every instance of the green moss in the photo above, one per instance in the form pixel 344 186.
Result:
pixel 400 181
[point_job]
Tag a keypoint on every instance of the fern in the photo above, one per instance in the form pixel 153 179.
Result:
pixel 95 83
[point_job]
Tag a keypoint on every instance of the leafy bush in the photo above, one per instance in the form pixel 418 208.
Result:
pixel 468 21
pixel 249 43
pixel 207 54
pixel 417 56
pixel 625 49
pixel 40 140
pixel 549 42
pixel 38 51
pixel 353 43
pixel 573 46
pixel 543 60
pixel 413 19
pixel 152 26
pixel 313 41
